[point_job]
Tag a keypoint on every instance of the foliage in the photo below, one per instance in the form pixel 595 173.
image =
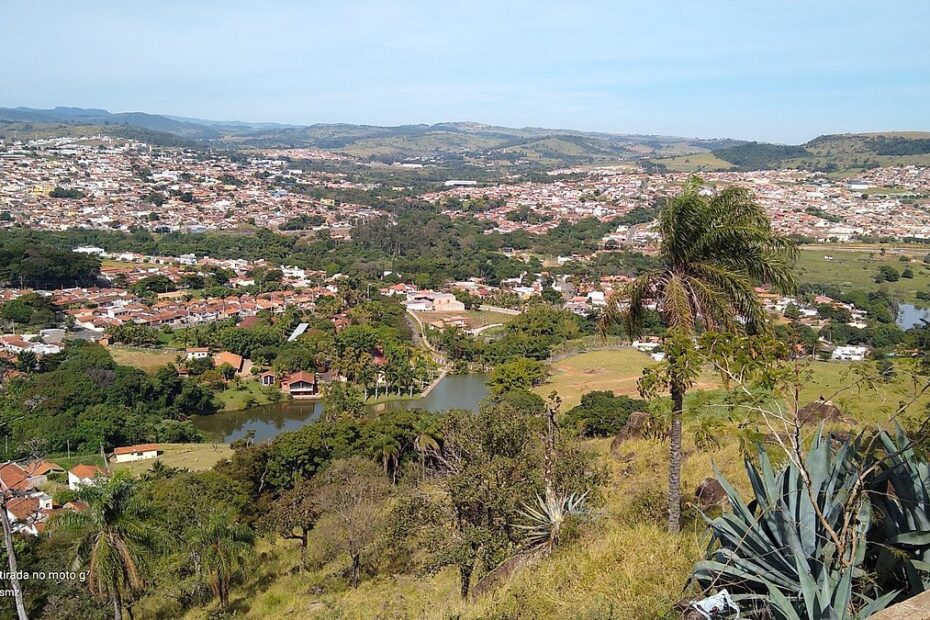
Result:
pixel 349 497
pixel 823 537
pixel 223 546
pixel 714 251
pixel 601 413
pixel 518 374
pixel 110 537
pixel 85 398
pixel 545 520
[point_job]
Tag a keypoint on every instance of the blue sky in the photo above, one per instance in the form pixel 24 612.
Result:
pixel 781 71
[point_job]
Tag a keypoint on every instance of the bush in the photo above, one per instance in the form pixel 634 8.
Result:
pixel 601 413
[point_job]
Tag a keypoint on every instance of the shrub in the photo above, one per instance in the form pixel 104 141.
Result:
pixel 601 413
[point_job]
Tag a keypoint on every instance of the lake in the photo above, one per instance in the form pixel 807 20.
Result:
pixel 452 392
pixel 910 316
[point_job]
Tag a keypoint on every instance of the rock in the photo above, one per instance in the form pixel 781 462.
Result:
pixel 710 493
pixel 635 427
pixel 820 411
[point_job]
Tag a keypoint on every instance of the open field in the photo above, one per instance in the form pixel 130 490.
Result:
pixel 149 360
pixel 193 456
pixel 617 370
pixel 855 267
pixel 694 162
pixel 473 318
pixel 235 398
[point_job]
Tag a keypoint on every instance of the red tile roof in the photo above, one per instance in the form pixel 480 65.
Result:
pixel 12 476
pixel 300 375
pixel 87 471
pixel 142 447
pixel 23 507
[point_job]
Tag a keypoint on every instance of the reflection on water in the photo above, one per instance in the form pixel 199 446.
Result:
pixel 452 392
pixel 910 316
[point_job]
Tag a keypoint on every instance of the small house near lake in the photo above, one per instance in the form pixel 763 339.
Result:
pixel 139 452
pixel 300 384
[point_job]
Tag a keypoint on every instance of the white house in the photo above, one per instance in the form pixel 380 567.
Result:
pixel 89 249
pixel 84 474
pixel 139 452
pixel 850 353
pixel 198 353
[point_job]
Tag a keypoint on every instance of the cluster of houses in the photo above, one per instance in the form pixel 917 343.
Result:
pixel 28 506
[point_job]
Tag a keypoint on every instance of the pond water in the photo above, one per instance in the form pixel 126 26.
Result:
pixel 910 316
pixel 452 392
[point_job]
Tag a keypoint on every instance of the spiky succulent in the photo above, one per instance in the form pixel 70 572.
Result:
pixel 775 552
pixel 544 521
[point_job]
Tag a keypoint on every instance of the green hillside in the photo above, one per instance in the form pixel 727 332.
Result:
pixel 840 153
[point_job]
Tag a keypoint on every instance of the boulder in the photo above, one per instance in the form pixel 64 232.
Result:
pixel 635 428
pixel 710 493
pixel 820 411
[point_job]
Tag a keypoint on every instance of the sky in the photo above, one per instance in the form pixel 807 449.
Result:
pixel 780 71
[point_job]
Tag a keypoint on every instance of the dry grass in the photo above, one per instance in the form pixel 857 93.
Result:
pixel 149 360
pixel 617 370
pixel 193 456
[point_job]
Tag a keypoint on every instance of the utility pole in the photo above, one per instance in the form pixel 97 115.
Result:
pixel 103 455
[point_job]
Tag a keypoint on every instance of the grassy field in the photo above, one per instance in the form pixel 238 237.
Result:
pixel 234 398
pixel 193 456
pixel 149 360
pixel 617 370
pixel 694 162
pixel 856 268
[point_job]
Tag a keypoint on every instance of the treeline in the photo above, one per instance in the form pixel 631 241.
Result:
pixel 403 493
pixel 421 245
pixel 531 335
pixel 40 262
pixel 760 155
pixel 81 399
pixel 896 145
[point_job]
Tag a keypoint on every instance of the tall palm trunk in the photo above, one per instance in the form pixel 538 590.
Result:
pixel 674 459
pixel 117 606
pixel 11 558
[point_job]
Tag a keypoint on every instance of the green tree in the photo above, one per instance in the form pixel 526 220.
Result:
pixel 387 451
pixel 342 400
pixel 223 545
pixel 294 514
pixel 351 495
pixel 714 250
pixel 112 538
pixel 518 374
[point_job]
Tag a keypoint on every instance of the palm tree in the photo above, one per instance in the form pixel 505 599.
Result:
pixel 222 546
pixel 387 451
pixel 425 440
pixel 715 249
pixel 110 537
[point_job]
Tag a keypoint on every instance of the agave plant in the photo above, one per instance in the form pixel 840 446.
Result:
pixel 545 520
pixel 776 552
pixel 900 495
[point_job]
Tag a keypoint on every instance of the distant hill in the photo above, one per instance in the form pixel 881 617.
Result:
pixel 470 140
pixel 828 153
pixel 443 140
